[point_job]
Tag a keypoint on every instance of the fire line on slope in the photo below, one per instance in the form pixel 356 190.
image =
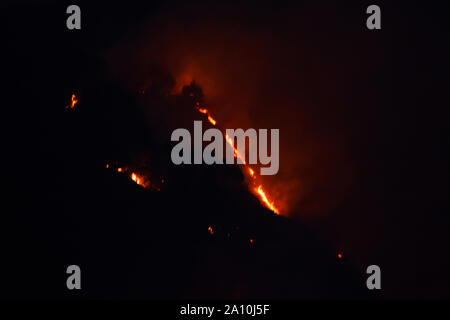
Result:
pixel 258 190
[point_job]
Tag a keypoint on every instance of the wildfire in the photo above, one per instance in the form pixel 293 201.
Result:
pixel 213 122
pixel 136 178
pixel 139 179
pixel 73 102
pixel 205 111
pixel 263 197
pixel 259 190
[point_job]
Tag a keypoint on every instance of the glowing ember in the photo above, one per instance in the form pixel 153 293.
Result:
pixel 252 240
pixel 210 230
pixel 205 111
pixel 339 255
pixel 136 179
pixel 73 102
pixel 139 179
pixel 213 122
pixel 263 197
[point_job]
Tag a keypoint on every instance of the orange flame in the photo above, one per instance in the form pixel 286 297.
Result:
pixel 73 102
pixel 141 180
pixel 210 230
pixel 213 122
pixel 263 197
pixel 205 111
pixel 136 179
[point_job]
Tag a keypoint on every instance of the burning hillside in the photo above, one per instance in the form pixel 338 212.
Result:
pixel 363 177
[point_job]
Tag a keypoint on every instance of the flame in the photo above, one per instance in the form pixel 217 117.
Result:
pixel 259 190
pixel 213 122
pixel 205 111
pixel 210 230
pixel 263 197
pixel 136 179
pixel 73 102
pixel 139 179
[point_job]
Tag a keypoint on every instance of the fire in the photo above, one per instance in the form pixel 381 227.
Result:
pixel 263 197
pixel 73 102
pixel 213 122
pixel 136 179
pixel 205 111
pixel 210 230
pixel 139 179
pixel 259 190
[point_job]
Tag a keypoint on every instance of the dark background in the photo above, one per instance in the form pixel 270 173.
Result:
pixel 373 118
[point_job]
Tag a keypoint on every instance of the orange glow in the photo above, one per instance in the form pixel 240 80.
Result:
pixel 213 122
pixel 252 173
pixel 205 111
pixel 139 179
pixel 251 240
pixel 210 230
pixel 136 179
pixel 339 255
pixel 266 201
pixel 73 102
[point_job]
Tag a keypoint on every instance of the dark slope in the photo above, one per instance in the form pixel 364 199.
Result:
pixel 67 208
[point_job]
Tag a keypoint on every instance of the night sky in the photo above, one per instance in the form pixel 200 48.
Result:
pixel 364 150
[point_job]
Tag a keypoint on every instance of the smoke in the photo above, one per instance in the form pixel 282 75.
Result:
pixel 257 72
